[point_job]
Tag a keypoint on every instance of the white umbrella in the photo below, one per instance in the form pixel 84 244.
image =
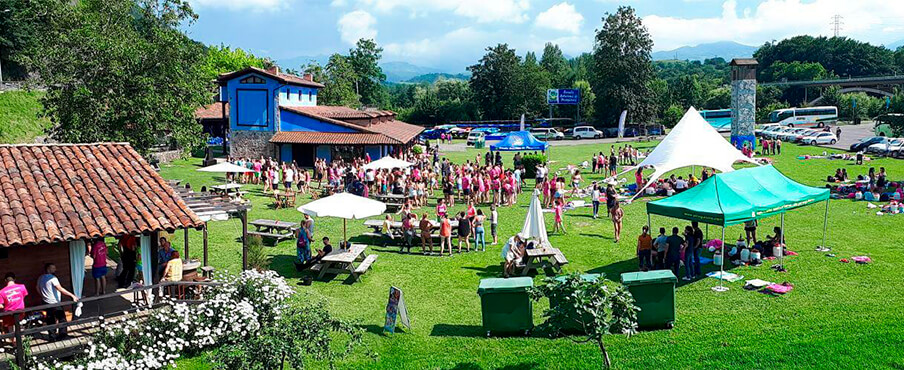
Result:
pixel 534 223
pixel 346 206
pixel 224 167
pixel 388 163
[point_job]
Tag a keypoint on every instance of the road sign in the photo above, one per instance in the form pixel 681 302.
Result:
pixel 563 96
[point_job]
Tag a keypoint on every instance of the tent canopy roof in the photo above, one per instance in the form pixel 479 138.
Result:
pixel 743 195
pixel 519 141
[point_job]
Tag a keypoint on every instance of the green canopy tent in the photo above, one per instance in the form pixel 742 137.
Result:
pixel 732 198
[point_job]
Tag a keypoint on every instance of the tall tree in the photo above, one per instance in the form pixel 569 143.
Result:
pixel 623 68
pixel 339 82
pixel 222 59
pixel 840 55
pixel 588 98
pixel 494 83
pixel 556 65
pixel 533 81
pixel 688 91
pixel 365 61
pixel 120 70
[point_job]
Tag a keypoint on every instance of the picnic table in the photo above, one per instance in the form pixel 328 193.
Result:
pixel 342 261
pixel 284 198
pixel 231 190
pixel 278 230
pixel 543 257
pixel 393 201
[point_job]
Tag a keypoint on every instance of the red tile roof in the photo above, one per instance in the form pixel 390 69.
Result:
pixel 340 112
pixel 398 130
pixel 394 131
pixel 218 110
pixel 61 192
pixel 334 138
pixel 279 76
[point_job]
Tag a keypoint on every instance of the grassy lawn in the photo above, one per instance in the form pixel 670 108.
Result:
pixel 838 316
pixel 20 113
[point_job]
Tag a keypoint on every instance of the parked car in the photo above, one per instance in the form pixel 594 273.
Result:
pixel 760 132
pixel 789 135
pixel 863 143
pixel 547 133
pixel 820 137
pixel 460 132
pixel 802 134
pixel 774 134
pixel 882 148
pixel 476 136
pixel 488 130
pixel 586 132
pixel 655 130
pixel 432 134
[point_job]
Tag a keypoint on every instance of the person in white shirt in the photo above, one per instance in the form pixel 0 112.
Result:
pixel 681 184
pixel 494 223
pixel 50 289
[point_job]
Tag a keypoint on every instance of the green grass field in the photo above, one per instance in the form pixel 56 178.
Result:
pixel 838 316
pixel 20 113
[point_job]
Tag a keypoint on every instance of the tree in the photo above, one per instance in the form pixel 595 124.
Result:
pixel 222 59
pixel 672 115
pixel 494 83
pixel 588 98
pixel 622 67
pixel 339 83
pixel 719 98
pixel 687 91
pixel 120 70
pixel 365 62
pixel 597 307
pixel 556 66
pixel 533 81
pixel 840 55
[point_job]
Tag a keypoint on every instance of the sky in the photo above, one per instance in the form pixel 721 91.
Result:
pixel 451 34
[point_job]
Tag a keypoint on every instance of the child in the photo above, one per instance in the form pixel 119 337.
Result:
pixel 560 212
pixel 494 223
pixel 445 235
pixel 617 214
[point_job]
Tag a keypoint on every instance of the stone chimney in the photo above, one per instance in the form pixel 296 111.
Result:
pixel 308 77
pixel 273 70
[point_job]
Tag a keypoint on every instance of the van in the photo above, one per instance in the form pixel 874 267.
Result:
pixel 586 132
pixel 547 134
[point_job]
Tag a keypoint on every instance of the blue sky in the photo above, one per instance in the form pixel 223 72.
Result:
pixel 451 34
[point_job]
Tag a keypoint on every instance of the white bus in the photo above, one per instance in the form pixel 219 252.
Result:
pixel 804 117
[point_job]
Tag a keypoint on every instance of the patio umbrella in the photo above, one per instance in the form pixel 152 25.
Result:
pixel 387 163
pixel 224 167
pixel 346 206
pixel 534 223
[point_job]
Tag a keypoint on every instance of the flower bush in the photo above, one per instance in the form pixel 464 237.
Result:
pixel 238 310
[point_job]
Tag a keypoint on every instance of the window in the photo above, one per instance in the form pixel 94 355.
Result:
pixel 252 80
pixel 299 94
pixel 311 95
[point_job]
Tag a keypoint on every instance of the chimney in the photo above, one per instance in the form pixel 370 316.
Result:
pixel 308 77
pixel 273 70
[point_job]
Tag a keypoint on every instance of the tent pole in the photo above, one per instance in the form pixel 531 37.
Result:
pixel 721 287
pixel 825 228
pixel 649 226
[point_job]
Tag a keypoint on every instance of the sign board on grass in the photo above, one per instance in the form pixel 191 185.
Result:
pixel 396 311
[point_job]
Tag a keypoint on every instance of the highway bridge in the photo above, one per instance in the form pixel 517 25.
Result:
pixel 876 86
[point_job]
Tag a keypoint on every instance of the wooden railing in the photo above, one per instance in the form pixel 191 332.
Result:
pixel 142 299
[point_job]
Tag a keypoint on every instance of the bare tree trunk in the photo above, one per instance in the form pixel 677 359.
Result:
pixel 606 362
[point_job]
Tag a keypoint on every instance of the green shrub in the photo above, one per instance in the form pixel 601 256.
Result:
pixel 258 258
pixel 530 162
pixel 417 149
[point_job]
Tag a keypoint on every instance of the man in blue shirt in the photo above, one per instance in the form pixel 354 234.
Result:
pixel 673 251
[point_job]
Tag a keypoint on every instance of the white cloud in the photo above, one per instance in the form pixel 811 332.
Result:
pixel 561 17
pixel 357 25
pixel 778 19
pixel 239 5
pixel 484 11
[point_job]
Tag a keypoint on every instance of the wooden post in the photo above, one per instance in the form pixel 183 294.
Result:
pixel 244 239
pixel 204 230
pixel 20 348
pixel 185 257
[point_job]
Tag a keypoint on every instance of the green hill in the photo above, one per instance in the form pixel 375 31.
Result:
pixel 20 117
pixel 431 78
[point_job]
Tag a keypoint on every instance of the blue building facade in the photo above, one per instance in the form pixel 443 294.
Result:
pixel 273 114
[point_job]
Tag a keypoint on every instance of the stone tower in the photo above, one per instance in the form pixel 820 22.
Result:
pixel 743 102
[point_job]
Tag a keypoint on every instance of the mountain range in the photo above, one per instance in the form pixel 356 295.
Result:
pixel 395 71
pixel 723 49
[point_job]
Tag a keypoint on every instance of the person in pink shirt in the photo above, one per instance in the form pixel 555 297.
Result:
pixel 98 252
pixel 12 298
pixel 560 213
pixel 440 209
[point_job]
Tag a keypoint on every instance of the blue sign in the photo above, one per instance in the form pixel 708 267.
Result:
pixel 563 96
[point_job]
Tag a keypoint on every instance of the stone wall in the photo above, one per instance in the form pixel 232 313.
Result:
pixel 252 144
pixel 167 156
pixel 743 107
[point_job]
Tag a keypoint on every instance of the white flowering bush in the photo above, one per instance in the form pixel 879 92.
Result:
pixel 231 313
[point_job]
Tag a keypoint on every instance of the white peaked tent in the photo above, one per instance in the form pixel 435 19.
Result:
pixel 693 142
pixel 534 224
pixel 388 163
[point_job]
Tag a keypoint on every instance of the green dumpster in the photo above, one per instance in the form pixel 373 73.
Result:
pixel 654 293
pixel 506 305
pixel 573 326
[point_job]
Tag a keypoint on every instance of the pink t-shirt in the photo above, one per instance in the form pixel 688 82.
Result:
pixel 559 211
pixel 99 254
pixel 13 297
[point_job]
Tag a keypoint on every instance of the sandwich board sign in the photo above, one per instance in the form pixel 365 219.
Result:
pixel 396 311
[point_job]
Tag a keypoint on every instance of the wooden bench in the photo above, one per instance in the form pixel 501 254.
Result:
pixel 317 267
pixel 560 259
pixel 278 237
pixel 362 268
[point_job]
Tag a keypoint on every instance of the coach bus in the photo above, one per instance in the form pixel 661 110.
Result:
pixel 804 117
pixel 719 119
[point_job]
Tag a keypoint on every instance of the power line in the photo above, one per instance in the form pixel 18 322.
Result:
pixel 837 24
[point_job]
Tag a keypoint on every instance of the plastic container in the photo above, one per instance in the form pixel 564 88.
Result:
pixel 755 255
pixel 717 259
pixel 505 305
pixel 654 293
pixel 745 255
pixel 777 251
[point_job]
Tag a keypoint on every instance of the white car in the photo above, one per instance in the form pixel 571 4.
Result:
pixel 547 134
pixel 586 132
pixel 789 135
pixel 804 133
pixel 774 133
pixel 881 148
pixel 820 137
pixel 765 129
pixel 476 136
